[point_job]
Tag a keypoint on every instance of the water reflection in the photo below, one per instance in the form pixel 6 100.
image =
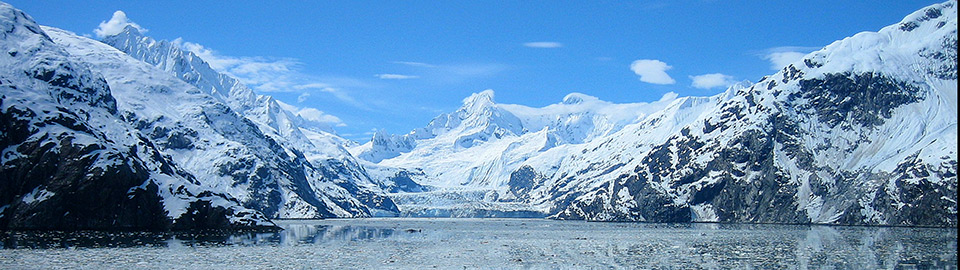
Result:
pixel 296 234
pixel 526 241
pixel 293 234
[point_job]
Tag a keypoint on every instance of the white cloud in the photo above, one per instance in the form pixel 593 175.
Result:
pixel 780 57
pixel 414 64
pixel 713 80
pixel 312 117
pixel 652 71
pixel 261 73
pixel 318 116
pixel 474 70
pixel 543 44
pixel 115 25
pixel 448 73
pixel 322 86
pixel 266 74
pixel 395 76
pixel 779 60
pixel 303 97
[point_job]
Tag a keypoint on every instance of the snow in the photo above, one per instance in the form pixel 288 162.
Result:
pixel 583 143
pixel 704 213
pixel 576 147
pixel 224 122
pixel 36 196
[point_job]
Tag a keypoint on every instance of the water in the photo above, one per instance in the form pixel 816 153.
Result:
pixel 493 243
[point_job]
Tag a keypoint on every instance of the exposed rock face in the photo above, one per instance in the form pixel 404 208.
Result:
pixel 836 139
pixel 226 135
pixel 68 160
pixel 861 132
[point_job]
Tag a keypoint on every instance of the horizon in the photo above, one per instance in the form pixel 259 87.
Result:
pixel 395 66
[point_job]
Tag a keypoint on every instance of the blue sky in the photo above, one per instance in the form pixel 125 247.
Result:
pixel 395 65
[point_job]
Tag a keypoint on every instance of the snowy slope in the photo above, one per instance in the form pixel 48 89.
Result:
pixel 860 132
pixel 69 161
pixel 480 141
pixel 317 141
pixel 472 153
pixel 277 120
pixel 274 118
pixel 224 149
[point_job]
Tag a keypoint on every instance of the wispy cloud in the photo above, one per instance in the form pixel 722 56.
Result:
pixel 475 69
pixel 336 92
pixel 448 73
pixel 318 116
pixel 303 97
pixel 362 136
pixel 312 117
pixel 543 44
pixel 780 57
pixel 321 86
pixel 713 80
pixel 115 25
pixel 395 76
pixel 269 74
pixel 414 64
pixel 652 71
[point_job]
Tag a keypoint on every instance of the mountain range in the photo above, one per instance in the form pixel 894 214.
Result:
pixel 129 132
pixel 862 131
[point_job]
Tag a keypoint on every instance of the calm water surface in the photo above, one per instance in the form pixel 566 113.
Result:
pixel 492 243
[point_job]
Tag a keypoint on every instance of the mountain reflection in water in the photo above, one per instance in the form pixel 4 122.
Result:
pixel 400 242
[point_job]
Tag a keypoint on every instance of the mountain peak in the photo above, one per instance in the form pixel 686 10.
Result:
pixel 944 11
pixel 15 21
pixel 578 98
pixel 130 30
pixel 478 102
pixel 485 96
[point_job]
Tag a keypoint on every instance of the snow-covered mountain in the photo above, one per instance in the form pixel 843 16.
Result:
pixel 862 131
pixel 205 128
pixel 137 133
pixel 69 159
pixel 467 157
pixel 224 134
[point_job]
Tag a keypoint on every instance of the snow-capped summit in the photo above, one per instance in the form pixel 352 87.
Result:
pixel 578 98
pixel 478 119
pixel 69 160
pixel 225 135
pixel 478 101
pixel 861 132
pixel 472 152
pixel 189 67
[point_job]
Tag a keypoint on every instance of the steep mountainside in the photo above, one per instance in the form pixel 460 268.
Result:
pixel 136 133
pixel 204 127
pixel 68 159
pixel 863 131
pixel 860 132
pixel 466 158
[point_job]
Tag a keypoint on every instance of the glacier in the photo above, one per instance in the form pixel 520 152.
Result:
pixel 861 132
pixel 137 133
